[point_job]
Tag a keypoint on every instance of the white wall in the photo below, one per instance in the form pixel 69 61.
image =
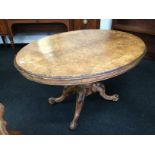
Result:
pixel 29 37
pixel 105 24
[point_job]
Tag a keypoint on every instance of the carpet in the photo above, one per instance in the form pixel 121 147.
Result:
pixel 28 111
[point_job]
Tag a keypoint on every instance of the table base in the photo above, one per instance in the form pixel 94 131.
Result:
pixel 82 91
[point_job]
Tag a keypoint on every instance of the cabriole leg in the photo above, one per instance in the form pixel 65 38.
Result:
pixel 65 93
pixel 78 108
pixel 100 88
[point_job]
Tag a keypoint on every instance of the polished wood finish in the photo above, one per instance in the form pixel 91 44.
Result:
pixel 78 59
pixel 144 28
pixel 55 60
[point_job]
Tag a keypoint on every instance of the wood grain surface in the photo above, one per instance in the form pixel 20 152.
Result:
pixel 79 57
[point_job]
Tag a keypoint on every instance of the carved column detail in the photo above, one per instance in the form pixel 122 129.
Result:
pixel 82 91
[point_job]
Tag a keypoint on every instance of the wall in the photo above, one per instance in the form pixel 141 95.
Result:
pixel 29 37
pixel 105 24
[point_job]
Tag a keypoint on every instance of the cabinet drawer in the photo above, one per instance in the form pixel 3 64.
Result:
pixel 66 22
pixel 86 24
pixel 3 28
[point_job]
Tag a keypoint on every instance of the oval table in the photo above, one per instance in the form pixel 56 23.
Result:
pixel 77 60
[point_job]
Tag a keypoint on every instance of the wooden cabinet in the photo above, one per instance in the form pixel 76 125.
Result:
pixel 3 30
pixel 86 24
pixel 36 25
pixel 13 22
pixel 66 22
pixel 144 28
pixel 3 27
pixel 11 26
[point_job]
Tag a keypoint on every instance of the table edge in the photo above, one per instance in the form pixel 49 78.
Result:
pixel 76 80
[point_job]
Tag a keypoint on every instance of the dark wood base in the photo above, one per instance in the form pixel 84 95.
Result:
pixel 82 91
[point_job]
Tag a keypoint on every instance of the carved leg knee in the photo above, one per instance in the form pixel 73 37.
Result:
pixel 65 93
pixel 101 89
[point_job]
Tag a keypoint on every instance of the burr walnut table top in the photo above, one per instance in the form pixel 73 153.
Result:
pixel 79 57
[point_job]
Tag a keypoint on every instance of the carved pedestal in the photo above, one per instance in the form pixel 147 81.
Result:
pixel 82 91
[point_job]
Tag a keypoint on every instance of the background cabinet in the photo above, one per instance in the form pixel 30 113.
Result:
pixel 86 24
pixel 144 28
pixel 12 26
pixel 3 30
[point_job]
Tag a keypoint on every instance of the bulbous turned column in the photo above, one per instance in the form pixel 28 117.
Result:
pixel 82 91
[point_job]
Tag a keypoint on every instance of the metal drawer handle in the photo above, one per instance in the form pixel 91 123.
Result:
pixel 85 21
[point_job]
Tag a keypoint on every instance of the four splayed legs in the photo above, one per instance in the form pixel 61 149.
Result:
pixel 82 91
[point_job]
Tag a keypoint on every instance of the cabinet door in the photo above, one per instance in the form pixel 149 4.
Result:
pixel 86 24
pixel 3 28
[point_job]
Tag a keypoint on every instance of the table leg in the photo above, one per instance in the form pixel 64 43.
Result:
pixel 79 104
pixel 82 91
pixel 100 88
pixel 65 93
